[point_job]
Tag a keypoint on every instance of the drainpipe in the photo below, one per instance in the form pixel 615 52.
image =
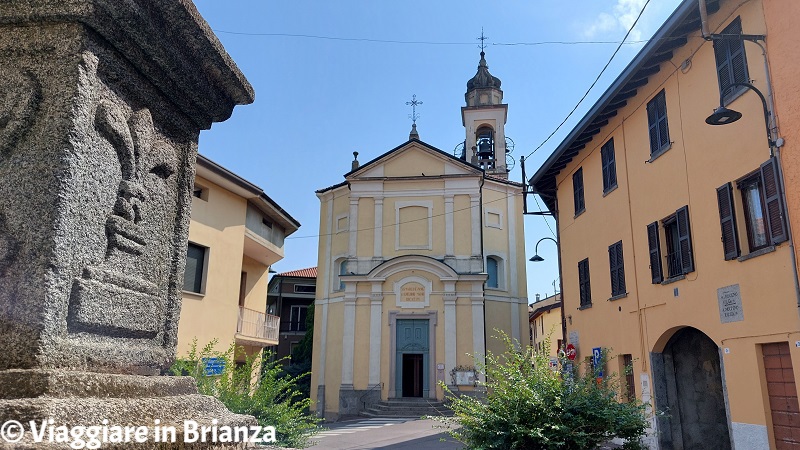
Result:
pixel 704 20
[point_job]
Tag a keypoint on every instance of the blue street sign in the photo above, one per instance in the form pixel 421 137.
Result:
pixel 597 359
pixel 213 366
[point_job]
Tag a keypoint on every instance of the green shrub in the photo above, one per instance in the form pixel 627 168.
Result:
pixel 530 406
pixel 272 398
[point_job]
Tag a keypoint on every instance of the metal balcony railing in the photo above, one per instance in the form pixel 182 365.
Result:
pixel 259 325
pixel 674 266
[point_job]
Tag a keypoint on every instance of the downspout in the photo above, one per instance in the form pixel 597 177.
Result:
pixel 560 276
pixel 704 20
pixel 483 263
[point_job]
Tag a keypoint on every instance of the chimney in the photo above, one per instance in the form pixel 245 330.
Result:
pixel 355 160
pixel 537 297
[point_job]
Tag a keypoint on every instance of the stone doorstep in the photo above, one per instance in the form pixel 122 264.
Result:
pixel 32 383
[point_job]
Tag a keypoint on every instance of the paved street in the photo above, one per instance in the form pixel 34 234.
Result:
pixel 388 433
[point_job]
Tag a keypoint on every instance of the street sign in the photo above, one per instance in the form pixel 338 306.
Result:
pixel 597 359
pixel 571 352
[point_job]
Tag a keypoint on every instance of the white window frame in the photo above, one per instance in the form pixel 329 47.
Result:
pixel 204 280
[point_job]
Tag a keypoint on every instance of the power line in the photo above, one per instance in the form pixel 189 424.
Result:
pixel 396 41
pixel 593 83
pixel 544 218
pixel 407 221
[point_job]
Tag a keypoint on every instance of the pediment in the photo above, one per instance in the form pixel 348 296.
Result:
pixel 413 159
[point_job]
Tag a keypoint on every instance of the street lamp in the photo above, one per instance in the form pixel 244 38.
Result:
pixel 724 116
pixel 536 257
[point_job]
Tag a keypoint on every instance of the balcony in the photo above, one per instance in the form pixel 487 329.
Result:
pixel 257 328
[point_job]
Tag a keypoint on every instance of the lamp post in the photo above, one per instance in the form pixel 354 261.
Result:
pixel 537 258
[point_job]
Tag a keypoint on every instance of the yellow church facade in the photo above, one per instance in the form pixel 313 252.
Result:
pixel 421 259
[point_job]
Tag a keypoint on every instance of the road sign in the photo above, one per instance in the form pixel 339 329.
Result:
pixel 597 359
pixel 571 352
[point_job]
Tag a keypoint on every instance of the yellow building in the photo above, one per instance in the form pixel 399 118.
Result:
pixel 236 233
pixel 545 324
pixel 421 257
pixel 674 242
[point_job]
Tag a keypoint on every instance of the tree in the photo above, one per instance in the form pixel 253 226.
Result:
pixel 272 398
pixel 530 406
pixel 300 366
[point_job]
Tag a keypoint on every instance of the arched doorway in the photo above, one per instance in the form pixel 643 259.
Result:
pixel 688 383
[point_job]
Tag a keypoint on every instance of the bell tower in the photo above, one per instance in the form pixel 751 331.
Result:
pixel 484 119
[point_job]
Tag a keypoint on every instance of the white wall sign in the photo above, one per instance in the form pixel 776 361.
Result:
pixel 412 292
pixel 730 304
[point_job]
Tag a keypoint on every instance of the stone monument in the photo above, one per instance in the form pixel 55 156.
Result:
pixel 101 106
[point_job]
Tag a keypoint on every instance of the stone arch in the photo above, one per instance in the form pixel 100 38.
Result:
pixel 688 377
pixel 413 262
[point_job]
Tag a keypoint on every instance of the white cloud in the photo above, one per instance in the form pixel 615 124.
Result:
pixel 621 18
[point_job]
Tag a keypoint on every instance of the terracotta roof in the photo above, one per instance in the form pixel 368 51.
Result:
pixel 311 272
pixel 544 305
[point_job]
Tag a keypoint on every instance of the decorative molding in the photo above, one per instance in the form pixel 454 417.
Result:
pixel 342 227
pixel 427 204
pixel 427 286
pixel 489 221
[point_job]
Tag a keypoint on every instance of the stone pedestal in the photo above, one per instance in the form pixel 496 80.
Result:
pixel 101 105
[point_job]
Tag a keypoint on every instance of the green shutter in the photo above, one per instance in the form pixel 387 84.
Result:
pixel 727 220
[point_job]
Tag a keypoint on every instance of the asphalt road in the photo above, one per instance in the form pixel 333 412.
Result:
pixel 391 434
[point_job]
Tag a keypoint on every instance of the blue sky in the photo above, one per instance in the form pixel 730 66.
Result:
pixel 329 83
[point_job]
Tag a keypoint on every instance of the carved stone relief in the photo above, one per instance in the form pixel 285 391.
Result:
pixel 125 295
pixel 20 95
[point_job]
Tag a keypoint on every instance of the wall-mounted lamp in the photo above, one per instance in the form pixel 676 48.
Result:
pixel 724 116
pixel 536 257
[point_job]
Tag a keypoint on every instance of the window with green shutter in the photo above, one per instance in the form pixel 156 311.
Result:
pixel 609 166
pixel 657 123
pixel 577 191
pixel 617 266
pixel 731 60
pixel 583 283
pixel 727 221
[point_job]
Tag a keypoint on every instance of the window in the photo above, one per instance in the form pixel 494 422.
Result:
pixel 731 61
pixel 630 384
pixel 341 266
pixel 617 266
pixel 492 270
pixel 200 192
pixel 762 207
pixel 305 288
pixel 609 166
pixel 485 147
pixel 577 186
pixel 657 121
pixel 678 246
pixel 193 276
pixel 754 212
pixel 297 318
pixel 583 283
pixel 242 289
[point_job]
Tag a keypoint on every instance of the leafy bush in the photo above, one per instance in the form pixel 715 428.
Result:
pixel 530 406
pixel 272 398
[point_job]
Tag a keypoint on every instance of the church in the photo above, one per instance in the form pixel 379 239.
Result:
pixel 421 259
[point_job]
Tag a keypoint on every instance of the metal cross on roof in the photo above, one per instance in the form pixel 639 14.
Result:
pixel 413 103
pixel 482 39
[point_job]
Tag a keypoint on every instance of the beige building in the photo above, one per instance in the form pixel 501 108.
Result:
pixel 421 258
pixel 236 233
pixel 674 241
pixel 545 324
